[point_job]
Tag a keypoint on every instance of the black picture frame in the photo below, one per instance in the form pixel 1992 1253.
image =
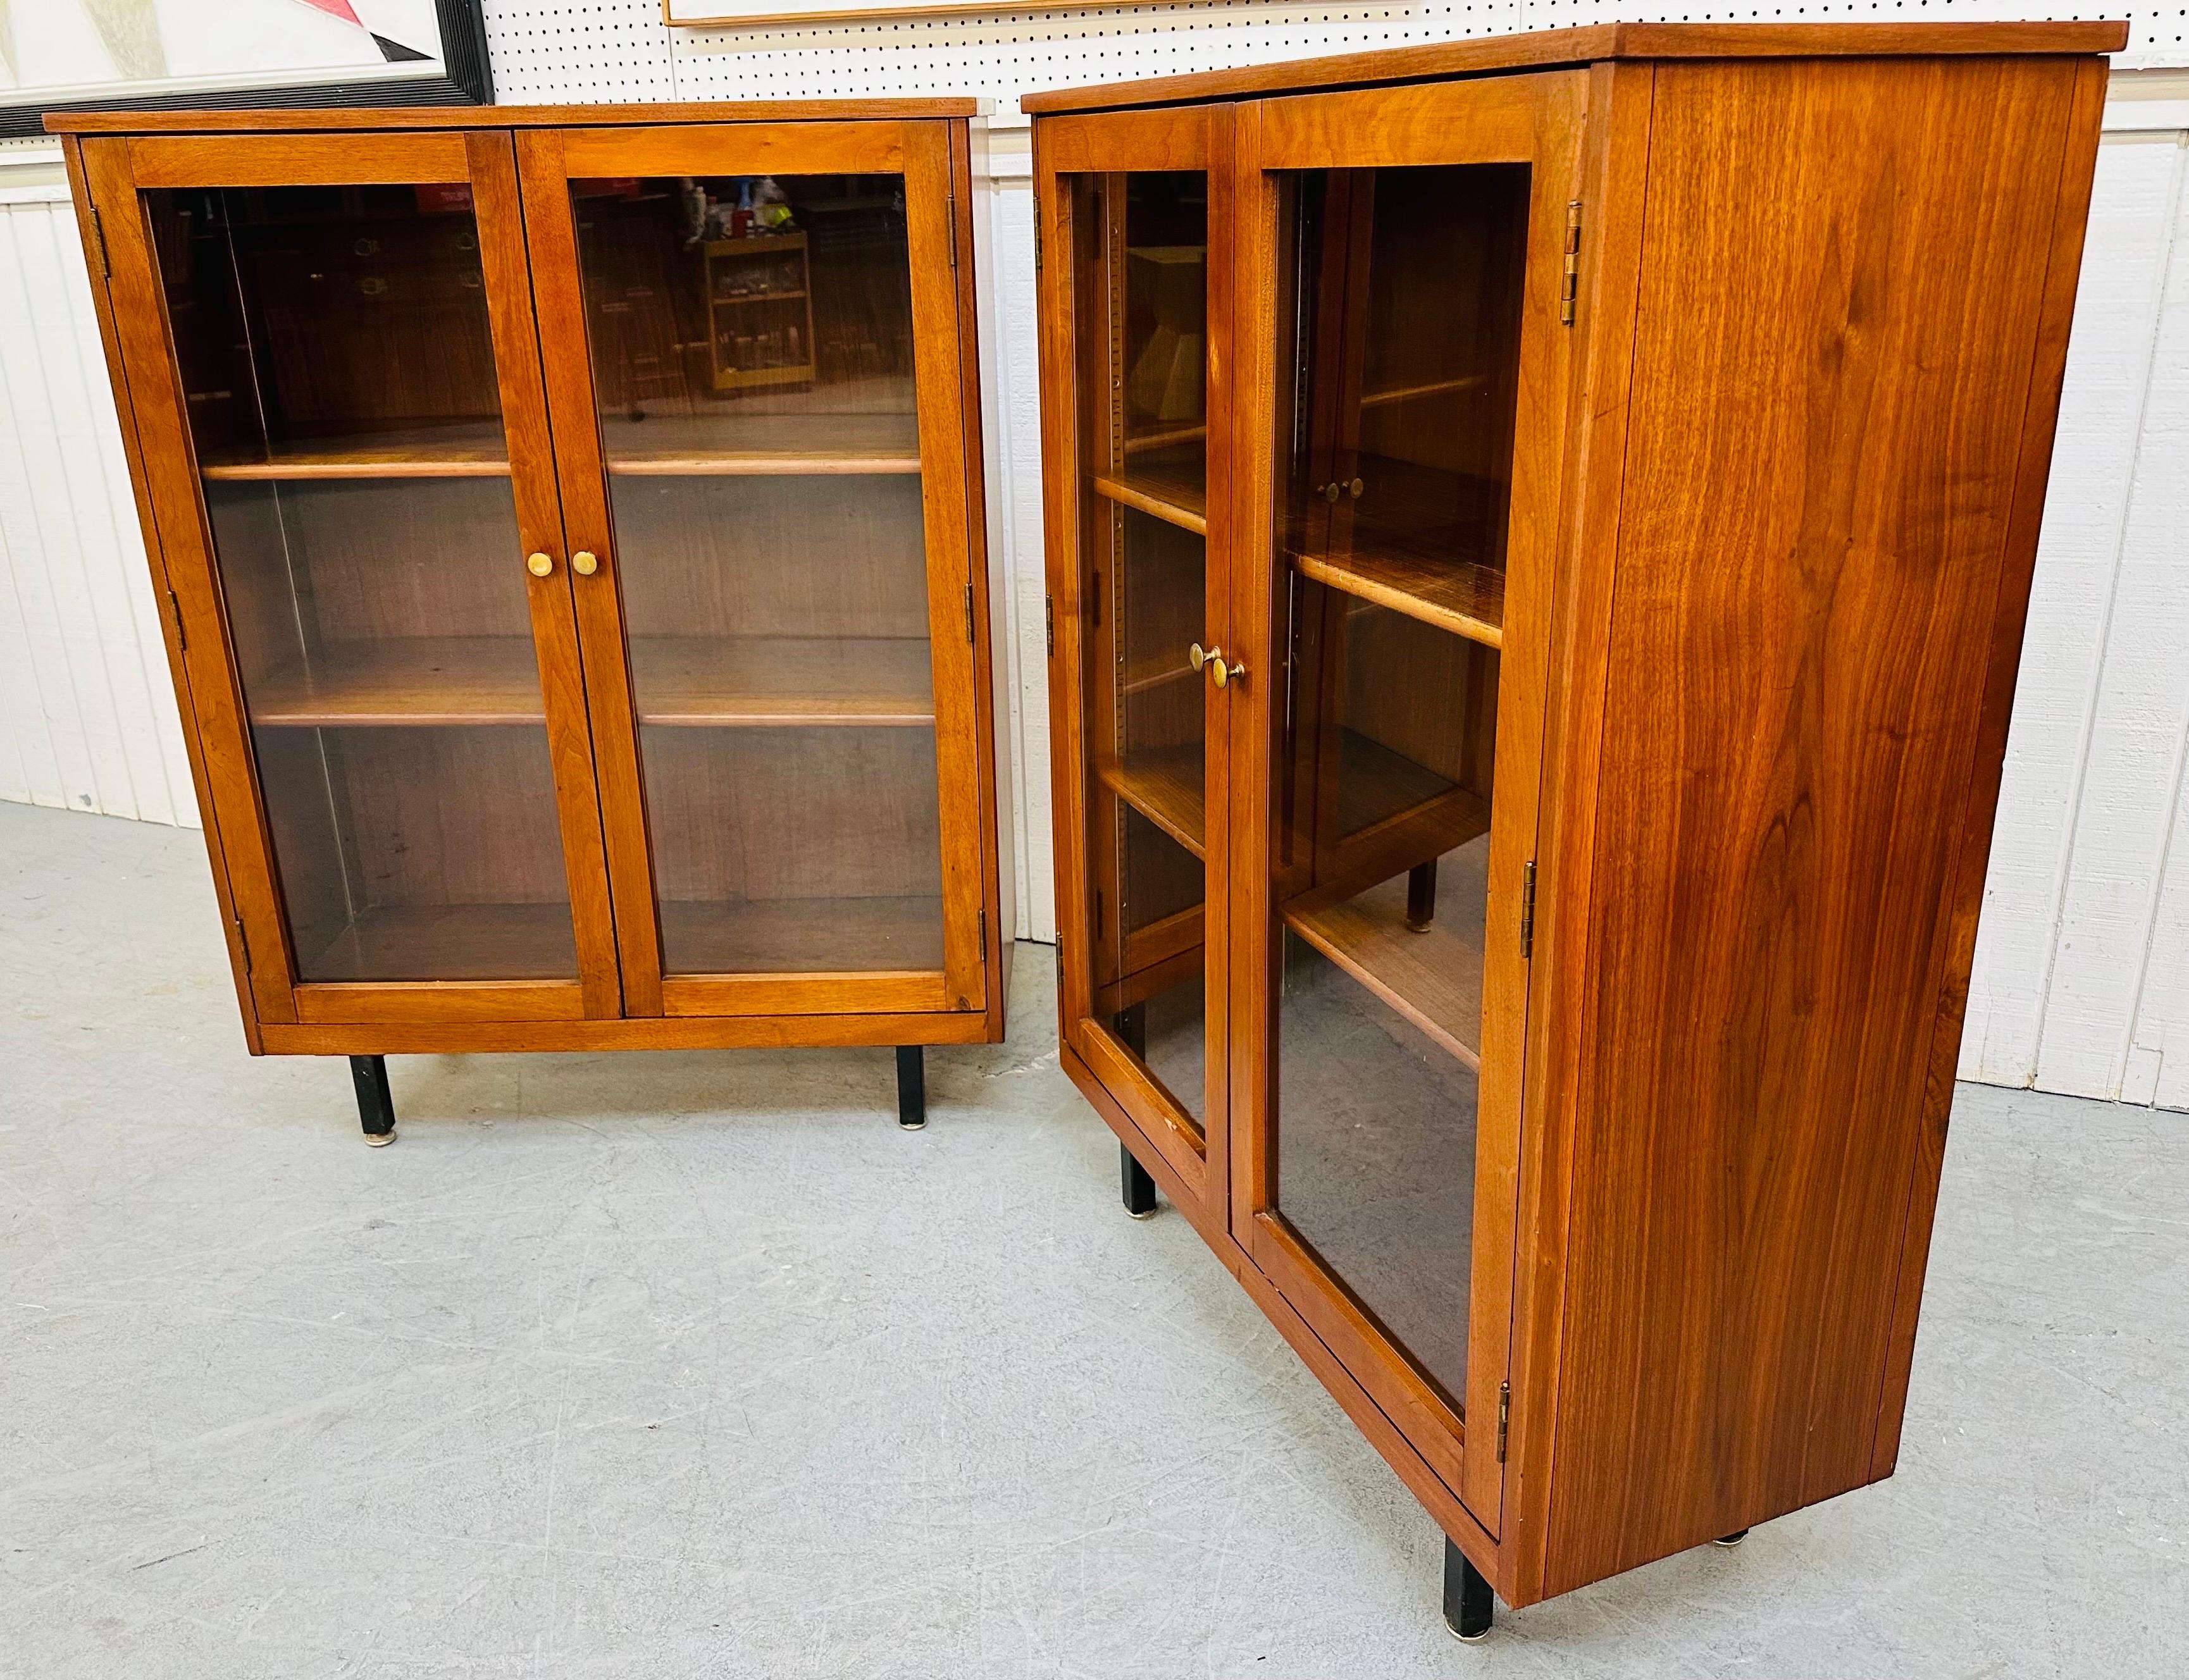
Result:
pixel 469 81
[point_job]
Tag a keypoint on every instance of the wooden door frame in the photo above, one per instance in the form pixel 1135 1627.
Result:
pixel 116 172
pixel 920 152
pixel 1539 120
pixel 1192 1162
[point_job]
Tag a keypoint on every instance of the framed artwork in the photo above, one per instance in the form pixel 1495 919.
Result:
pixel 149 54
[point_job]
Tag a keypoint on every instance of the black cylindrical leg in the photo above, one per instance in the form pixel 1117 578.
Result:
pixel 1131 1026
pixel 376 1104
pixel 1732 1539
pixel 1467 1602
pixel 911 1087
pixel 1421 896
pixel 1139 1188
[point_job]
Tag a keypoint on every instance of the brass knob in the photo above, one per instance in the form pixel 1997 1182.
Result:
pixel 1225 674
pixel 1332 490
pixel 1200 655
pixel 584 564
pixel 1354 489
pixel 540 565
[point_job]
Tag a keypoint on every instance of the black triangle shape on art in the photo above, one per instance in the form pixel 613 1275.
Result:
pixel 395 52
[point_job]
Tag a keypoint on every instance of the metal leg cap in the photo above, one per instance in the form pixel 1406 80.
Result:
pixel 918 1125
pixel 1467 1638
pixel 379 1140
pixel 1150 1214
pixel 1730 1540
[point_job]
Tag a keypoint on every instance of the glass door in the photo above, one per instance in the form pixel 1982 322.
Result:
pixel 1145 669
pixel 751 335
pixel 1416 287
pixel 362 532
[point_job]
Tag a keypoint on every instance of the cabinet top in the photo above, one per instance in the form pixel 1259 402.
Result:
pixel 503 116
pixel 1544 48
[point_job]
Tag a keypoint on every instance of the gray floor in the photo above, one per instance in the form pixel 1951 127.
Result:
pixel 694 1365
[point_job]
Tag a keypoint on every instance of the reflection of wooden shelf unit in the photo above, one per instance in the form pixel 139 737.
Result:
pixel 781 312
pixel 722 683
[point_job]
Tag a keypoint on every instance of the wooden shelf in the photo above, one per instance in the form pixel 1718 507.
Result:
pixel 475 450
pixel 1376 784
pixel 1170 484
pixel 714 682
pixel 1167 786
pixel 761 445
pixel 1457 595
pixel 788 445
pixel 760 298
pixel 802 935
pixel 1433 978
pixel 1415 543
pixel 737 682
pixel 449 942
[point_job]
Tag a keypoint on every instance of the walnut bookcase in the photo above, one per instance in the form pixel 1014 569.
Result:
pixel 1538 532
pixel 547 687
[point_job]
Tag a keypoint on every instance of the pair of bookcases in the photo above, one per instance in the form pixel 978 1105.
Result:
pixel 1538 530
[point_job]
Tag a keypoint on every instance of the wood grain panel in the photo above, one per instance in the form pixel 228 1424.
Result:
pixel 1818 551
pixel 1540 48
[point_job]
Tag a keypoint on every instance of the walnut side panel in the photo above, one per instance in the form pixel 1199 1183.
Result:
pixel 1842 287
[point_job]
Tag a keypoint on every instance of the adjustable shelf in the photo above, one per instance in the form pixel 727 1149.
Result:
pixel 1166 785
pixel 693 681
pixel 1414 543
pixel 1168 482
pixel 791 445
pixel 1431 976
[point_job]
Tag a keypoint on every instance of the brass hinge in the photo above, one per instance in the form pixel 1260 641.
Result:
pixel 1037 236
pixel 182 635
pixel 1504 1418
pixel 1049 616
pixel 244 940
pixel 968 611
pixel 99 233
pixel 981 927
pixel 1528 909
pixel 1569 284
pixel 952 204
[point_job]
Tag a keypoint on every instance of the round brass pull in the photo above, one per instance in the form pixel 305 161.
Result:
pixel 1354 489
pixel 584 563
pixel 1332 490
pixel 540 565
pixel 1200 655
pixel 1226 674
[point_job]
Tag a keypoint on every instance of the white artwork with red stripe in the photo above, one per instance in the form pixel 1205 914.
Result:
pixel 59 50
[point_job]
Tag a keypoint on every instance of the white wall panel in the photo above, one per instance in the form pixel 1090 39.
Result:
pixel 88 707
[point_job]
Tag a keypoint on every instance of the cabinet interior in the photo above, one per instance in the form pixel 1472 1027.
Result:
pixel 752 351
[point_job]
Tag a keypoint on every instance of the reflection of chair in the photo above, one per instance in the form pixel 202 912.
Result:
pixel 1165 379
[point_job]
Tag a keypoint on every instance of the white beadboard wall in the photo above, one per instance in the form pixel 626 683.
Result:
pixel 2082 973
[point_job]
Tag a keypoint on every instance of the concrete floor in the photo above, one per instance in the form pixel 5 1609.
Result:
pixel 695 1365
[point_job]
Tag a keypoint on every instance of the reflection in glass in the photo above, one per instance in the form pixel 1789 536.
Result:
pixel 1143 300
pixel 337 360
pixel 1401 308
pixel 752 360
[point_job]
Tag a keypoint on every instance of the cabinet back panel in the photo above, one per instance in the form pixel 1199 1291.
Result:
pixel 1842 271
pixel 804 556
pixel 795 813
